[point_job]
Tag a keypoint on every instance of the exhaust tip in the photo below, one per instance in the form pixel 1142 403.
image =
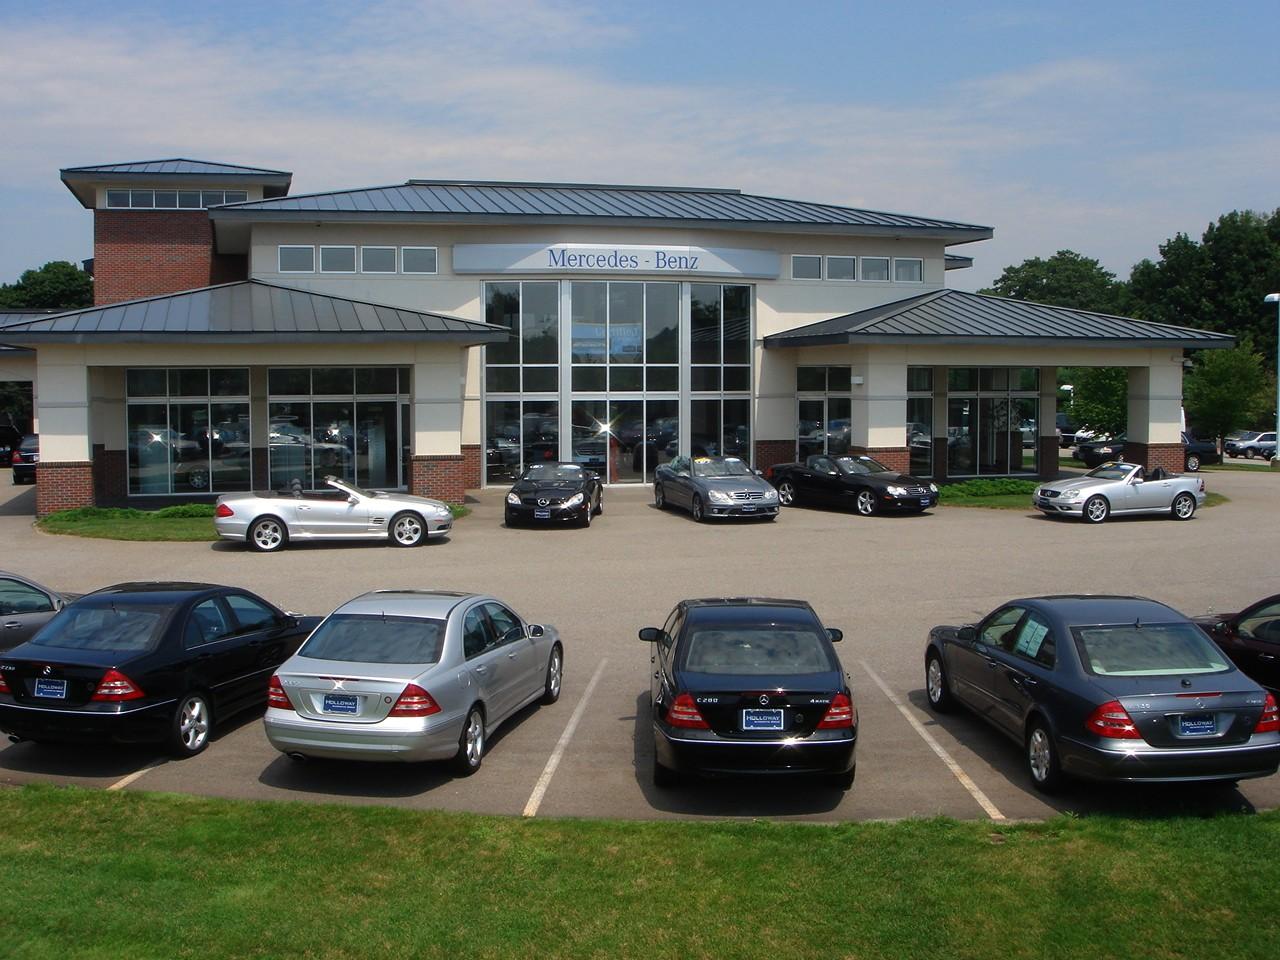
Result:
pixel 14 738
pixel 297 757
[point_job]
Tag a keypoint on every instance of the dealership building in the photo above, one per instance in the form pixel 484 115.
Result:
pixel 437 336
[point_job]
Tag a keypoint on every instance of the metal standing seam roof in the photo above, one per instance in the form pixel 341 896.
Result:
pixel 178 165
pixel 955 317
pixel 450 200
pixel 249 311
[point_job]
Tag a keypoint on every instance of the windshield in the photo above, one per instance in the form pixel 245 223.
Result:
pixel 725 467
pixel 1148 650
pixel 1110 471
pixel 363 638
pixel 116 627
pixel 857 466
pixel 346 487
pixel 554 471
pixel 766 650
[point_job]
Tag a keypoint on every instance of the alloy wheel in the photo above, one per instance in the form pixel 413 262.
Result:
pixel 407 530
pixel 866 502
pixel 1184 506
pixel 193 724
pixel 787 493
pixel 933 680
pixel 659 497
pixel 474 742
pixel 268 534
pixel 1040 754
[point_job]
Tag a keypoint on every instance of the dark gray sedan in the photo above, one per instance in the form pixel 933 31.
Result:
pixel 714 487
pixel 25 607
pixel 1106 688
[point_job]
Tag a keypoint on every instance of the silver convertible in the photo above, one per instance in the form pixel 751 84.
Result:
pixel 411 675
pixel 268 521
pixel 1121 488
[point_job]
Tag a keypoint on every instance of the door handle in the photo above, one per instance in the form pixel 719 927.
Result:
pixel 511 655
pixel 12 625
pixel 303 507
pixel 991 662
pixel 482 670
pixel 1261 656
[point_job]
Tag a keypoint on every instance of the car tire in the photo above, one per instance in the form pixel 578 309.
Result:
pixel 268 535
pixel 843 781
pixel 408 530
pixel 198 478
pixel 1183 507
pixel 191 726
pixel 471 743
pixel 664 777
pixel 600 503
pixel 659 497
pixel 787 493
pixel 1042 758
pixel 1096 510
pixel 937 687
pixel 865 502
pixel 1193 463
pixel 555 676
pixel 1248 453
pixel 698 511
pixel 586 516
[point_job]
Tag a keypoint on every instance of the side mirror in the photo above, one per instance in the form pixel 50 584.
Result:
pixel 758 473
pixel 834 634
pixel 353 500
pixel 651 634
pixel 967 634
pixel 536 631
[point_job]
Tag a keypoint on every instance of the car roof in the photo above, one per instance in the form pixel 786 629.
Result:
pixel 172 591
pixel 747 608
pixel 434 604
pixel 554 463
pixel 1081 609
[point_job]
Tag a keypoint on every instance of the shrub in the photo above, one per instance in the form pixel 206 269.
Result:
pixel 994 487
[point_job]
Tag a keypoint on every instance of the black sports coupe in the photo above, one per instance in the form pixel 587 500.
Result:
pixel 860 482
pixel 555 492
pixel 1251 638
pixel 146 662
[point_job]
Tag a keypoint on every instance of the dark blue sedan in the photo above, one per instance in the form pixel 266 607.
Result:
pixel 1106 688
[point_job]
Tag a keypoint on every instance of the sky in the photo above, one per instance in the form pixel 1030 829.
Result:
pixel 1104 128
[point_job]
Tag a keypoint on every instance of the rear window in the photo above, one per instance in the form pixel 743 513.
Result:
pixel 1148 650
pixel 369 639
pixel 30 443
pixel 118 628
pixel 767 650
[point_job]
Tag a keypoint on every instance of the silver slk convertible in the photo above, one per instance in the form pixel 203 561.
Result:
pixel 411 675
pixel 268 521
pixel 1119 488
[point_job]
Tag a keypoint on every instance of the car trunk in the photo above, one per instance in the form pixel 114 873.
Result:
pixel 347 692
pixel 1189 711
pixel 741 707
pixel 65 682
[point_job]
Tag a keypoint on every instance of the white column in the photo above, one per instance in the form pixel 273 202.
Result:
pixel 1155 402
pixel 880 401
pixel 439 373
pixel 62 404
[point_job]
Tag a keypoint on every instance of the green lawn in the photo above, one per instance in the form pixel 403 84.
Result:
pixel 1241 467
pixel 185 522
pixel 87 874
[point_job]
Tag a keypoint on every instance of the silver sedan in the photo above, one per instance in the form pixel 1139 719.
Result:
pixel 268 521
pixel 411 675
pixel 1121 488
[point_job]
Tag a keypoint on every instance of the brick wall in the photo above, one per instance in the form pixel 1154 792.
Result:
pixel 472 465
pixel 772 452
pixel 63 485
pixel 146 253
pixel 895 458
pixel 1171 456
pixel 441 477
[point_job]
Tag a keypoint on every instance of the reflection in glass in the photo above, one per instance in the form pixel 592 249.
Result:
pixel 148 448
pixel 590 378
pixel 811 430
pixel 662 433
pixel 662 378
pixel 230 447
pixel 626 378
pixel 333 381
pixel 502 441
pixel 376 443
pixel 920 435
pixel 626 322
pixel 289 445
pixel 811 379
pixel 540 321
pixel 704 323
pixel 289 381
pixel 188 383
pixel 188 443
pixel 626 449
pixel 962 437
pixel 994 437
pixel 332 441
pixel 662 323
pixel 590 425
pixel 540 431
pixel 502 308
pixel 736 434
pixel 737 324
pixel 839 424
pixel 704 428
pixel 589 320
pixel 1025 414
pixel 541 379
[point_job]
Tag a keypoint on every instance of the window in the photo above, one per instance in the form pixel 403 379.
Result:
pixel 475 633
pixel 417 259
pixel 142 198
pixel 337 259
pixel 875 269
pixel 17 597
pixel 1035 641
pixel 206 624
pixel 250 614
pixel 908 270
pixel 1261 623
pixel 356 638
pixel 506 625
pixel 919 379
pixel 993 430
pixel 173 199
pixel 806 267
pixel 377 259
pixel 297 259
pixel 842 268
pixel 998 631
pixel 117 198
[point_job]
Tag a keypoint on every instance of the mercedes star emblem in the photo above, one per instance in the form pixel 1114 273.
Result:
pixel 47 670
pixel 764 700
pixel 543 502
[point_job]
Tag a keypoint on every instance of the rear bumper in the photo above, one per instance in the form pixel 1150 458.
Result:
pixel 397 739
pixel 685 753
pixel 1155 764
pixel 24 472
pixel 111 723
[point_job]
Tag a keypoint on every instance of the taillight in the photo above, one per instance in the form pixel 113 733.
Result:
pixel 114 687
pixel 1112 720
pixel 224 511
pixel 414 702
pixel 4 686
pixel 1269 722
pixel 16 457
pixel 840 714
pixel 683 712
pixel 276 697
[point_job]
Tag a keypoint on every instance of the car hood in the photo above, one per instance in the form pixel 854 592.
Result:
pixel 888 476
pixel 729 484
pixel 547 486
pixel 1078 483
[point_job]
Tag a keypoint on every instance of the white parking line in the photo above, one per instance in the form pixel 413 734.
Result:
pixel 540 788
pixel 125 781
pixel 975 791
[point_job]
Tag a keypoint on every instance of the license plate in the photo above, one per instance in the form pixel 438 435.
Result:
pixel 924 502
pixel 338 703
pixel 53 689
pixel 542 514
pixel 761 719
pixel 748 509
pixel 1197 725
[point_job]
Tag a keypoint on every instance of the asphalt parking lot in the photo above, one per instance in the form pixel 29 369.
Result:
pixel 883 580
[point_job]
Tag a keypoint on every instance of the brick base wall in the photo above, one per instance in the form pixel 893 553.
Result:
pixel 895 458
pixel 472 466
pixel 146 253
pixel 772 452
pixel 63 485
pixel 1171 456
pixel 441 477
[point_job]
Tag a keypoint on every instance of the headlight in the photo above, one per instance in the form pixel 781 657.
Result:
pixel 719 496
pixel 1072 494
pixel 513 498
pixel 896 491
pixel 933 488
pixel 575 500
pixel 770 494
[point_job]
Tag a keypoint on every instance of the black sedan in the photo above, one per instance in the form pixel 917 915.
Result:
pixel 1251 638
pixel 1195 452
pixel 25 457
pixel 749 686
pixel 146 662
pixel 555 493
pixel 860 482
pixel 25 607
pixel 1106 688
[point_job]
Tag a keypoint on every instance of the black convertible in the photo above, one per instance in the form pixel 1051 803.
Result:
pixel 555 493
pixel 858 481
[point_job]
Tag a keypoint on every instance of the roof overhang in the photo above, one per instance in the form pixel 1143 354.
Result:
pixel 82 183
pixel 782 341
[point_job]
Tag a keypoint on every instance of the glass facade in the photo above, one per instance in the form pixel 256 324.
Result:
pixel 824 421
pixel 992 420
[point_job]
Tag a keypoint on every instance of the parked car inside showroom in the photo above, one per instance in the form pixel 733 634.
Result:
pixel 1105 688
pixel 555 492
pixel 24 459
pixel 412 675
pixel 858 482
pixel 714 487
pixel 1119 489
pixel 749 686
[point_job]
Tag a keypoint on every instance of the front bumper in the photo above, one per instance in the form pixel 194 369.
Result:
pixel 24 472
pixel 555 513
pixel 886 502
pixel 92 723
pixel 1171 765
pixel 1056 506
pixel 395 739
pixel 703 752
pixel 757 509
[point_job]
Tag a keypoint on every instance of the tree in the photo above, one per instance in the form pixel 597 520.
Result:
pixel 1100 398
pixel 58 285
pixel 1067 279
pixel 1227 389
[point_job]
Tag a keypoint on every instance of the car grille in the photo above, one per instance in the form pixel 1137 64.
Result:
pixel 748 495
pixel 551 501
pixel 915 491
pixel 1050 494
